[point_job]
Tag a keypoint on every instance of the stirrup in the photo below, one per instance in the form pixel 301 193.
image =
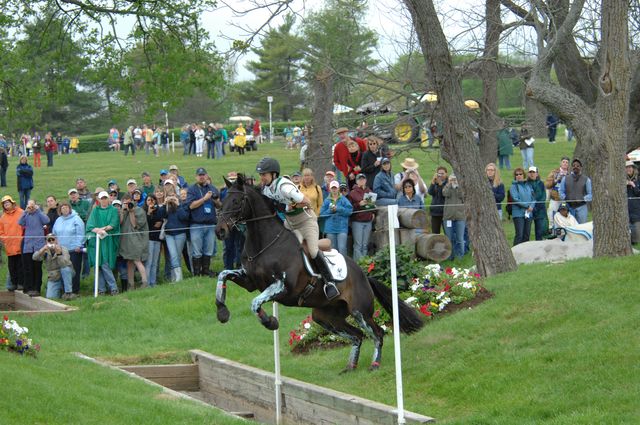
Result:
pixel 330 290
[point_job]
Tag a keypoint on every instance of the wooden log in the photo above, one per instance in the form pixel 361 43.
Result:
pixel 433 247
pixel 412 218
pixel 408 239
pixel 381 238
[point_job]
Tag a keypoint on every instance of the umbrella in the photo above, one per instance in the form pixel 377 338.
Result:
pixel 240 118
pixel 341 109
pixel 372 107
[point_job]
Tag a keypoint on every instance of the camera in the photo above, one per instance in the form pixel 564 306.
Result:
pixel 51 245
pixel 130 205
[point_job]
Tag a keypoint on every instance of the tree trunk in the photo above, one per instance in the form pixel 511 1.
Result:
pixel 490 122
pixel 491 250
pixel 318 156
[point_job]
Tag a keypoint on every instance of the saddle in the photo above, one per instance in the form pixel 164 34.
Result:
pixel 336 262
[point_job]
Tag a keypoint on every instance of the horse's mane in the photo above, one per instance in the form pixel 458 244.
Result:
pixel 254 192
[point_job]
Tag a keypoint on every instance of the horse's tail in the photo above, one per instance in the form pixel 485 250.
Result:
pixel 410 320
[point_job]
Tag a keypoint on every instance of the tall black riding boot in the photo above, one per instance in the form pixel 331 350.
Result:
pixel 124 284
pixel 206 266
pixel 196 265
pixel 330 290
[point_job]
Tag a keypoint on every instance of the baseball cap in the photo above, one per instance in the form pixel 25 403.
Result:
pixel 361 176
pixel 116 202
pixel 296 174
pixel 163 172
pixel 112 181
pixel 131 181
pixel 103 194
pixel 200 171
pixel 534 169
pixel 564 206
pixel 330 173
pixel 341 130
pixel 343 185
pixel 168 181
pixel 173 167
pixel 333 184
pixel 72 190
pixel 385 160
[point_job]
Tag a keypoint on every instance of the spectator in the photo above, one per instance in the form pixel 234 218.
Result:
pixel 493 175
pixel 234 243
pixel 552 184
pixel 177 214
pixel 633 196
pixel 199 140
pixel 362 219
pixel 371 159
pixel 454 216
pixel 138 137
pixel 36 147
pixel 336 209
pixel 218 141
pixel 104 222
pixel 80 206
pixel 408 197
pixel 552 127
pixel 311 190
pixel 522 207
pixel 184 139
pixel 33 221
pixel 164 140
pixel 202 198
pixel 539 209
pixel 182 183
pixel 155 219
pixel 59 269
pixel 69 230
pixel 50 148
pixel 329 176
pixel 129 142
pixel 383 185
pixel 11 237
pixel 436 209
pixel 209 137
pixel 575 189
pixel 4 165
pixel 134 240
pixel 52 212
pixel 564 219
pixel 410 166
pixel 83 192
pixel 240 139
pixel 24 174
pixel 526 148
pixel 343 156
pixel 505 148
pixel 147 186
pixel 74 145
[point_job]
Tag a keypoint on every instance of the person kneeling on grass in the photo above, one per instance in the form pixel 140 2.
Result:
pixel 59 268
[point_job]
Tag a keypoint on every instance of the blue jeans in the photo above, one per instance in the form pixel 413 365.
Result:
pixel 185 145
pixel 581 213
pixel 105 275
pixel 527 158
pixel 175 245
pixel 382 202
pixel 232 251
pixel 65 283
pixel 505 161
pixel 339 242
pixel 151 265
pixel 202 240
pixel 455 233
pixel 523 230
pixel 25 195
pixel 218 149
pixel 361 230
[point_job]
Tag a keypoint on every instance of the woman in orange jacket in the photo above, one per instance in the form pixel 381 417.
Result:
pixel 11 237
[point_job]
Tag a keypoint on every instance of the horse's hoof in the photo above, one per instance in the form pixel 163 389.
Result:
pixel 223 314
pixel 374 366
pixel 272 324
pixel 350 368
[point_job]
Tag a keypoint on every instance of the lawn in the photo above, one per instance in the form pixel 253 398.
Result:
pixel 557 344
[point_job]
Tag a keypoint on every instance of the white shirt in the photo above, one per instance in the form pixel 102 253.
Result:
pixel 283 190
pixel 199 135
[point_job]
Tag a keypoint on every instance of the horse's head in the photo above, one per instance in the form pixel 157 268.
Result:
pixel 235 207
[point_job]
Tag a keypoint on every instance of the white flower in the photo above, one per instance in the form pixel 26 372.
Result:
pixel 415 286
pixel 465 284
pixel 302 336
pixel 384 328
pixel 440 295
pixel 411 300
pixel 443 303
pixel 307 325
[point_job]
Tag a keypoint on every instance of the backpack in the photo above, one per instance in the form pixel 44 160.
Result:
pixel 509 204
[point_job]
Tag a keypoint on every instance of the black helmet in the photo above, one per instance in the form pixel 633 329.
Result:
pixel 268 165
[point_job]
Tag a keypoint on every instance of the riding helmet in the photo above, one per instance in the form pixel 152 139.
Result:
pixel 268 165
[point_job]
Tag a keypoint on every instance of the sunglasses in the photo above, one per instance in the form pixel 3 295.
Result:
pixel 519 174
pixel 51 240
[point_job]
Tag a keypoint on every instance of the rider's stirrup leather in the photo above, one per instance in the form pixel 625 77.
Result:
pixel 330 290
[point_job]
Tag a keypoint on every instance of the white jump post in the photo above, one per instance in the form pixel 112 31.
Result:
pixel 276 355
pixel 96 267
pixel 392 211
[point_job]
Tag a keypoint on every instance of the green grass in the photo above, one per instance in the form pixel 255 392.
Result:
pixel 558 344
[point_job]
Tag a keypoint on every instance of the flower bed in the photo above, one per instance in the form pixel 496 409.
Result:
pixel 14 337
pixel 436 292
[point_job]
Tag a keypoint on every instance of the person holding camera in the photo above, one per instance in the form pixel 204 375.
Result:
pixel 33 221
pixel 59 268
pixel 203 198
pixel 134 239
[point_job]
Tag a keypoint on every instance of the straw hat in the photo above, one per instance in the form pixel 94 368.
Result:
pixel 409 163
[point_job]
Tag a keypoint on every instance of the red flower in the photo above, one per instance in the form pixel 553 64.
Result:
pixel 424 309
pixel 290 341
pixel 371 267
pixel 376 313
pixel 447 287
pixel 5 317
pixel 449 271
pixel 476 275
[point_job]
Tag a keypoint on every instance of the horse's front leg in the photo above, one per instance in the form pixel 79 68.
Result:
pixel 269 294
pixel 238 276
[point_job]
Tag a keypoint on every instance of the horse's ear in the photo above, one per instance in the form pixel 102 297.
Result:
pixel 226 182
pixel 240 180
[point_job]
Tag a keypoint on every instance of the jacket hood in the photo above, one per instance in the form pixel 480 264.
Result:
pixel 70 216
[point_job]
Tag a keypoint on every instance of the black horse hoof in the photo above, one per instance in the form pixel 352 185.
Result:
pixel 374 366
pixel 223 313
pixel 350 368
pixel 272 324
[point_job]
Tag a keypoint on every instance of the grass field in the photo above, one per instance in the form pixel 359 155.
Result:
pixel 557 344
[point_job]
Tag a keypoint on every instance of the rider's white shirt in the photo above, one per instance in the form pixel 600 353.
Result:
pixel 283 190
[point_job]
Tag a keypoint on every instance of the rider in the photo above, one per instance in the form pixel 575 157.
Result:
pixel 298 215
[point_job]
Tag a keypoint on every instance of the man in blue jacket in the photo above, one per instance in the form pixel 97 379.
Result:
pixel 202 198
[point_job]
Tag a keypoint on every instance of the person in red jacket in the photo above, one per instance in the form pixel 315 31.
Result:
pixel 50 147
pixel 341 155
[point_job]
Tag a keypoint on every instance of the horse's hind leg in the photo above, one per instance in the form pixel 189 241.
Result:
pixel 335 322
pixel 269 294
pixel 375 332
pixel 238 276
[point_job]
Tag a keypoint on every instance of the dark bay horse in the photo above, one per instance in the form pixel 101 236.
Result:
pixel 272 263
